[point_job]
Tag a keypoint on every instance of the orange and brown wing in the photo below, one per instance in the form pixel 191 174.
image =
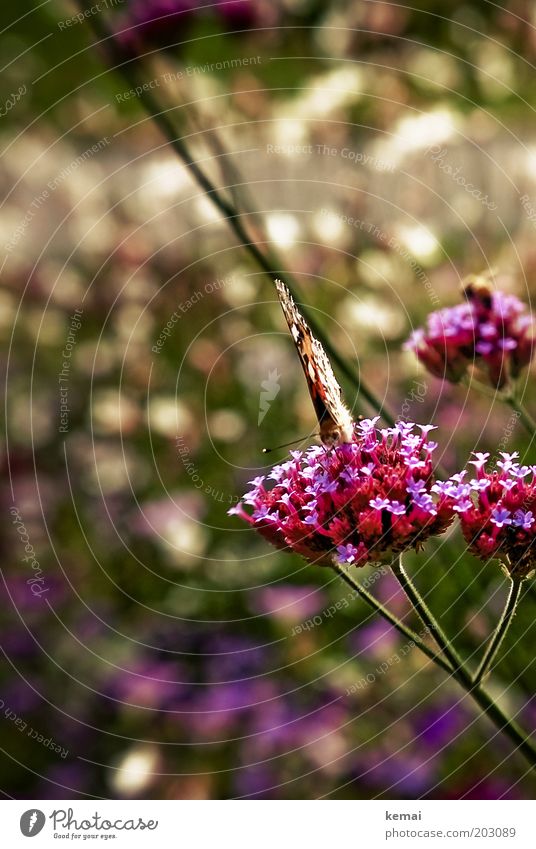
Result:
pixel 334 419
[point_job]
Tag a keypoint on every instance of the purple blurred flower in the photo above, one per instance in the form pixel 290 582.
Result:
pixel 149 684
pixel 440 724
pixel 219 708
pixel 159 515
pixel 405 774
pixel 231 658
pixel 376 639
pixel 153 22
pixel 67 780
pixel 20 595
pixel 492 328
pixel 21 697
pixel 288 603
pixel 255 781
pixel 160 23
pixel 239 13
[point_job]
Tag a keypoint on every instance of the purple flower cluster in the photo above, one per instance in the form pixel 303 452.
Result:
pixel 357 503
pixel 497 510
pixel 491 329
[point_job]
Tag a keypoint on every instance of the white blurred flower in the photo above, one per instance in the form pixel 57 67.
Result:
pixel 168 416
pixel 241 289
pixel 421 242
pixel 289 133
pixel 175 523
pixel 530 162
pixel 376 268
pixel 329 92
pixel 372 316
pixel 283 228
pixel 226 425
pixel 112 412
pixel 329 226
pixel 416 133
pixel 135 771
pixel 166 177
pixel 111 468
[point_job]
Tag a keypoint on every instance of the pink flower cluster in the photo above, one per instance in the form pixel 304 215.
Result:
pixel 497 510
pixel 356 503
pixel 491 329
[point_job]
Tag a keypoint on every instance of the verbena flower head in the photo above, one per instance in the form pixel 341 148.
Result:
pixel 492 330
pixel 497 510
pixel 357 503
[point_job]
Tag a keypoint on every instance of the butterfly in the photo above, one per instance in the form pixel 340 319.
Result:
pixel 334 418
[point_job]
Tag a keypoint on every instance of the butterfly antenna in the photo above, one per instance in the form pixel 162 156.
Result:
pixel 286 444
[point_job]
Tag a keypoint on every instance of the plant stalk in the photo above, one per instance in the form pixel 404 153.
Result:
pixel 459 672
pixel 390 617
pixel 425 614
pixel 526 419
pixel 510 397
pixel 127 67
pixel 499 634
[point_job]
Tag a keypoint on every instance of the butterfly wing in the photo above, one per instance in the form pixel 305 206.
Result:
pixel 334 418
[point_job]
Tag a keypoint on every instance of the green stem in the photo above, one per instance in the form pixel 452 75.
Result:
pixel 511 398
pixel 425 614
pixel 127 67
pixel 526 419
pixel 500 632
pixel 390 617
pixel 508 726
pixel 485 702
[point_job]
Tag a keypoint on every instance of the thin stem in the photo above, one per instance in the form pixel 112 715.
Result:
pixel 511 398
pixel 485 702
pixel 500 632
pixel 472 383
pixel 390 617
pixel 273 268
pixel 526 419
pixel 425 614
pixel 508 726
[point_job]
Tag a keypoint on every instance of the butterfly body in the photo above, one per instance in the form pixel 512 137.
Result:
pixel 335 420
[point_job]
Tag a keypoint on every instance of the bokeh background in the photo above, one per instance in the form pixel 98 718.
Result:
pixel 384 152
